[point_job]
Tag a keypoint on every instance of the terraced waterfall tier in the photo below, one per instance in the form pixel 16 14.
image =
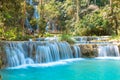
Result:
pixel 108 51
pixel 37 52
pixel 20 53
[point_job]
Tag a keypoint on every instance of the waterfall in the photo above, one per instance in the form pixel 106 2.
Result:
pixel 15 54
pixel 27 24
pixel 22 53
pixel 65 50
pixel 30 2
pixel 108 51
pixel 77 51
pixel 43 54
pixel 35 16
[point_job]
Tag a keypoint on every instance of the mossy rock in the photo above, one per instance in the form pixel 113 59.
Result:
pixel 89 50
pixel 3 62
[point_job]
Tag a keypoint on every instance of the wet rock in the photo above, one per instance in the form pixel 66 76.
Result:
pixel 3 62
pixel 89 50
pixel 119 47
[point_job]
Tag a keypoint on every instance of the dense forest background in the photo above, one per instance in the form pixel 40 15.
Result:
pixel 73 17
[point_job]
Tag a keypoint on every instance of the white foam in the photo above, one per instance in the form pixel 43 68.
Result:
pixel 61 62
pixel 18 67
pixel 73 59
pixel 112 58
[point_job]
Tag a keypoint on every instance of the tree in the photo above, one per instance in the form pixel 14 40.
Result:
pixel 11 11
pixel 23 19
pixel 113 14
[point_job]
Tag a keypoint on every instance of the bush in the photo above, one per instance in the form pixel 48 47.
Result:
pixel 65 37
pixel 48 35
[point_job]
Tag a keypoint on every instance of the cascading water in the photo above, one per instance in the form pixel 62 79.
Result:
pixel 108 51
pixel 35 15
pixel 77 51
pixel 15 54
pixel 19 53
pixel 65 51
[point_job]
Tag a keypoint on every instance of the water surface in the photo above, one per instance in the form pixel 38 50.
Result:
pixel 80 69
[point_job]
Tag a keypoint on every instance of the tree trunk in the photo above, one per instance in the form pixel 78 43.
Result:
pixel 78 10
pixel 116 25
pixel 88 2
pixel 111 8
pixel 23 21
pixel 42 11
pixel 95 2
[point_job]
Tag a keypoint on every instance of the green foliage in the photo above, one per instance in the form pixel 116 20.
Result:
pixel 13 34
pixel 33 21
pixel 24 38
pixel 65 37
pixel 30 11
pixel 10 34
pixel 11 11
pixel 52 9
pixel 48 35
pixel 93 24
pixel 115 37
pixel 10 18
pixel 42 25
pixel 60 12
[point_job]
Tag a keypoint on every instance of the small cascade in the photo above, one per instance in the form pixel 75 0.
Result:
pixel 29 2
pixel 21 53
pixel 43 54
pixel 108 51
pixel 27 24
pixel 54 51
pixel 65 50
pixel 15 54
pixel 29 61
pixel 92 39
pixel 36 16
pixel 77 51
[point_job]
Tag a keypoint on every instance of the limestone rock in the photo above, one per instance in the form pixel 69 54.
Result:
pixel 89 50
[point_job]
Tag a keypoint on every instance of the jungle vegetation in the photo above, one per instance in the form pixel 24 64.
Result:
pixel 72 17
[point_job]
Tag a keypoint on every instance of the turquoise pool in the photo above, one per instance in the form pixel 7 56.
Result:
pixel 79 69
